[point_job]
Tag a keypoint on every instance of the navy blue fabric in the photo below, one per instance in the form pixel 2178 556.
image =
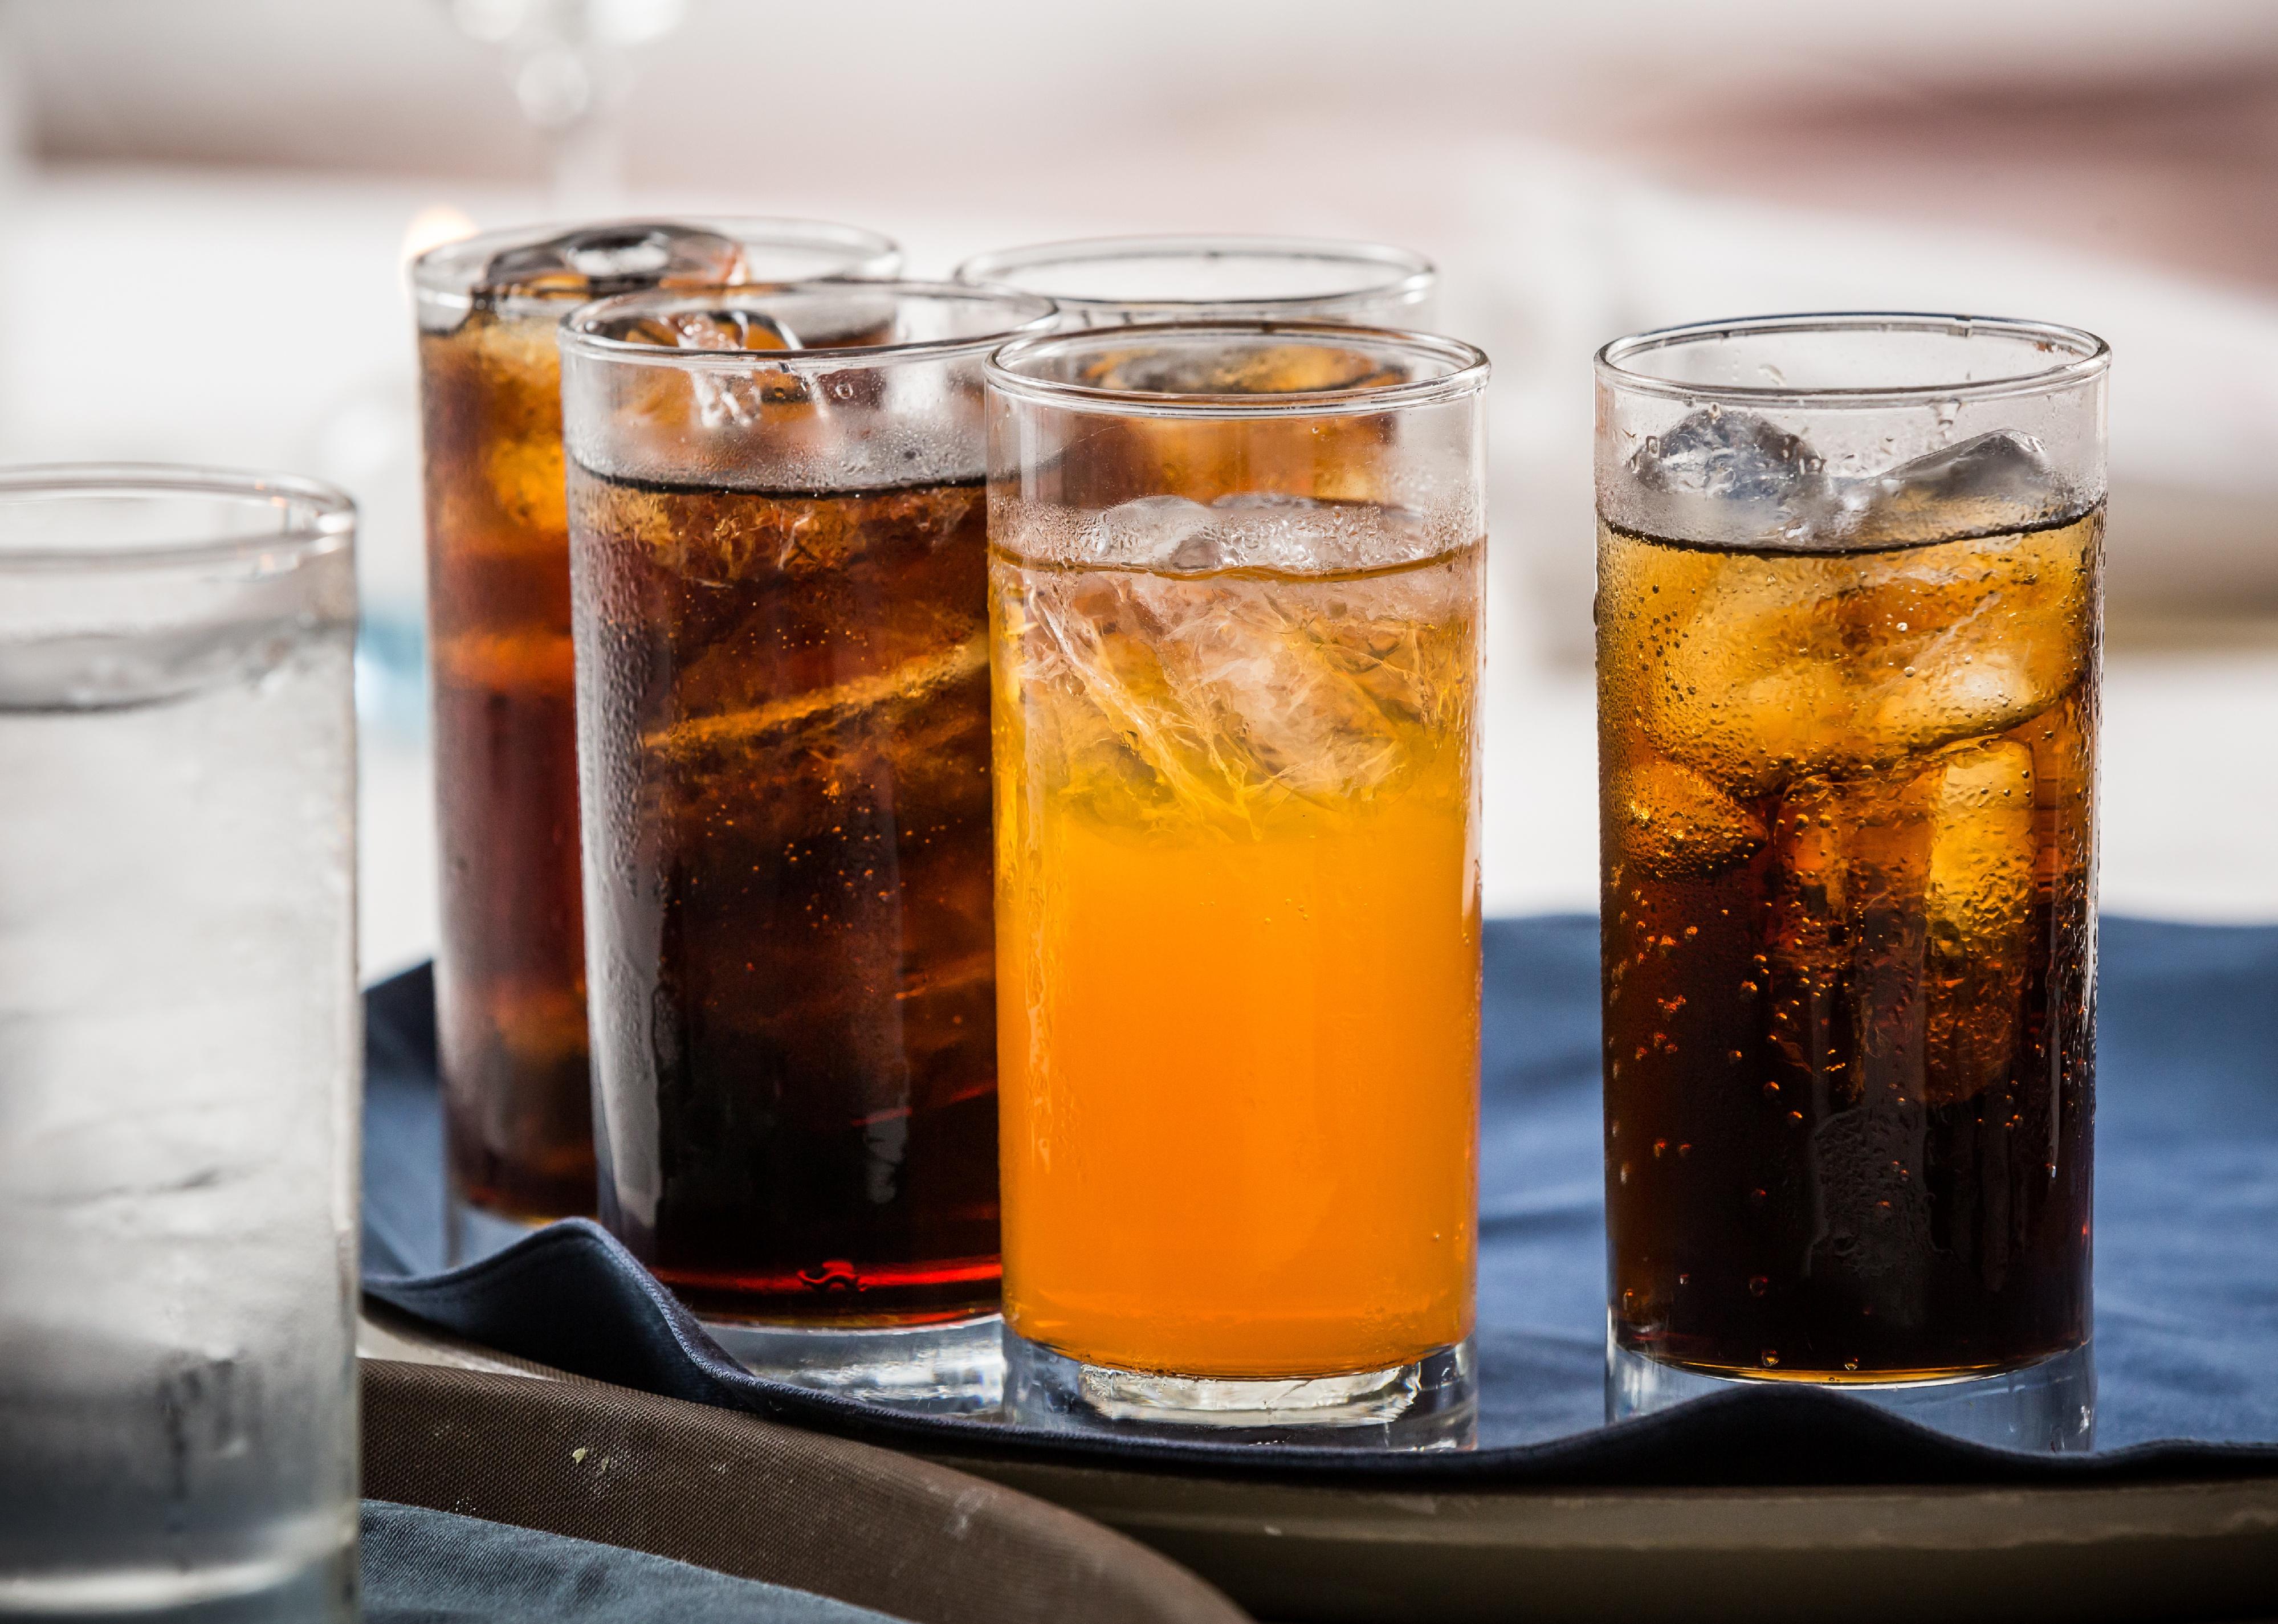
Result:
pixel 424 1567
pixel 2186 1281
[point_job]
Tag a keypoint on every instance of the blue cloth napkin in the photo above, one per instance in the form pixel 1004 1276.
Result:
pixel 2186 1265
pixel 434 1567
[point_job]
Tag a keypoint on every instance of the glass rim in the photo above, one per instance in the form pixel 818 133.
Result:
pixel 1407 272
pixel 329 527
pixel 1468 374
pixel 575 334
pixel 448 272
pixel 2084 356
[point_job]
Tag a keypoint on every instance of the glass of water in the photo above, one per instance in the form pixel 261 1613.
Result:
pixel 179 1046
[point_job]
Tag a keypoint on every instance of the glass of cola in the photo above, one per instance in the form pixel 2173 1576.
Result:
pixel 778 549
pixel 1849 633
pixel 510 965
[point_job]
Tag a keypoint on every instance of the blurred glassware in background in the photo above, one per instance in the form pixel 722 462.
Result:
pixel 1107 281
pixel 566 61
pixel 510 965
pixel 177 983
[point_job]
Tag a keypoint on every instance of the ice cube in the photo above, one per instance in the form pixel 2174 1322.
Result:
pixel 1156 532
pixel 1728 456
pixel 601 259
pixel 1994 482
pixel 1850 861
pixel 2008 621
pixel 1674 824
pixel 1811 663
pixel 1224 696
pixel 1273 369
pixel 1979 905
pixel 1756 687
pixel 1873 1209
pixel 1267 679
pixel 1907 896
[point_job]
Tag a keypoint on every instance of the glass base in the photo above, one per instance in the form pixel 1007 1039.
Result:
pixel 1430 1404
pixel 950 1368
pixel 281 1591
pixel 2046 1408
pixel 472 1233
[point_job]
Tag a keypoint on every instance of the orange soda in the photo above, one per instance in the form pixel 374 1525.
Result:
pixel 1238 958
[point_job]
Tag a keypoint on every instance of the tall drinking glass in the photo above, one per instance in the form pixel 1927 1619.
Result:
pixel 1236 576
pixel 1848 643
pixel 1110 281
pixel 179 1047
pixel 778 535
pixel 510 967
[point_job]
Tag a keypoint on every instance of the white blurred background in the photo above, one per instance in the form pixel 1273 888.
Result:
pixel 205 205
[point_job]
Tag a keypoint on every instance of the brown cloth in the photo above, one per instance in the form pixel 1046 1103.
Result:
pixel 746 1496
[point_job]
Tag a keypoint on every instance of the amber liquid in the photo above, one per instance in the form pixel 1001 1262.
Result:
pixel 1849 951
pixel 509 968
pixel 785 706
pixel 1238 959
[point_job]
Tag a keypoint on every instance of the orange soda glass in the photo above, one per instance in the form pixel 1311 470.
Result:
pixel 1235 583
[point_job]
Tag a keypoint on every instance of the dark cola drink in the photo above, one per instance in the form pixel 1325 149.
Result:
pixel 1848 950
pixel 510 970
pixel 788 736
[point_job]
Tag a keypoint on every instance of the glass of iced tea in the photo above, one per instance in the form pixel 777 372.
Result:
pixel 1236 575
pixel 1848 643
pixel 778 539
pixel 1114 281
pixel 510 966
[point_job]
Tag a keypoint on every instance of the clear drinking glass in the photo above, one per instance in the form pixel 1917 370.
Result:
pixel 1236 601
pixel 1110 281
pixel 777 536
pixel 1849 612
pixel 179 1046
pixel 510 967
